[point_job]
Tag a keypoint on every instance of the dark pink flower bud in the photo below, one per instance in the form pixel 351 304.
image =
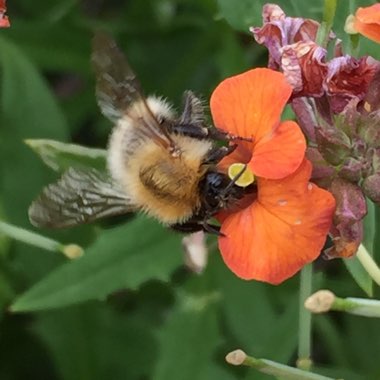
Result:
pixel 371 187
pixel 369 129
pixel 351 170
pixel 372 98
pixel 323 172
pixel 351 207
pixel 305 113
pixel 333 144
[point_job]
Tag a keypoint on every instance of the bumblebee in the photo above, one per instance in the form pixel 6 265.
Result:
pixel 159 163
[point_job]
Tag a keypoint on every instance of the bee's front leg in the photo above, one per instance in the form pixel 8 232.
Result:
pixel 190 227
pixel 216 154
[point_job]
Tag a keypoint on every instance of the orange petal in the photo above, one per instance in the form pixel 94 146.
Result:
pixel 367 22
pixel 371 31
pixel 279 154
pixel 369 15
pixel 276 236
pixel 250 104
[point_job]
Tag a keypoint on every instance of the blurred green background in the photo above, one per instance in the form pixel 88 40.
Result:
pixel 129 309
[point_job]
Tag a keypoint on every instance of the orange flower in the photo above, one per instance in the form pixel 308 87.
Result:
pixel 4 21
pixel 366 22
pixel 285 223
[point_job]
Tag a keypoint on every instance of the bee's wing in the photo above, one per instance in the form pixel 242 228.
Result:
pixel 117 89
pixel 80 196
pixel 116 84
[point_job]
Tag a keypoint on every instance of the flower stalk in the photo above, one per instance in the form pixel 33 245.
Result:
pixel 70 250
pixel 327 22
pixel 324 301
pixel 304 331
pixel 239 357
pixel 368 264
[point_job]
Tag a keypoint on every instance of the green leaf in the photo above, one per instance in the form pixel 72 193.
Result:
pixel 188 340
pixel 374 249
pixel 243 14
pixel 60 156
pixel 27 110
pixel 251 315
pixel 88 340
pixel 359 274
pixel 124 257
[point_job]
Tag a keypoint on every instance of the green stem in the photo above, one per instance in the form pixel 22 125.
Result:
pixel 270 367
pixel 376 238
pixel 369 263
pixel 354 44
pixel 358 306
pixel 352 6
pixel 304 330
pixel 327 22
pixel 37 240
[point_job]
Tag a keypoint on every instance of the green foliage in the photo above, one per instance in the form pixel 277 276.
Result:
pixel 128 309
pixel 60 156
pixel 246 13
pixel 119 258
pixel 193 324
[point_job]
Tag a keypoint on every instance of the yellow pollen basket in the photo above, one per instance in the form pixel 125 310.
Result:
pixel 245 178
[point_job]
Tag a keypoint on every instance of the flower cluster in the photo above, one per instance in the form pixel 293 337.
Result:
pixel 284 223
pixel 337 105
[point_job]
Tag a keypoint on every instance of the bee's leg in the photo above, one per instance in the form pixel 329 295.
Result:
pixel 212 229
pixel 200 132
pixel 219 135
pixel 189 227
pixel 191 130
pixel 216 154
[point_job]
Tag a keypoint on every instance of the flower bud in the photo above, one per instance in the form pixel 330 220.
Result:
pixel 333 144
pixel 351 170
pixel 372 98
pixel 322 173
pixel 371 187
pixel 347 230
pixel 370 129
pixel 351 205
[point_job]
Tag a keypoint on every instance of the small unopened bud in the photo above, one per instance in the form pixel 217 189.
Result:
pixel 351 170
pixel 236 357
pixel 320 302
pixel 371 187
pixel 372 98
pixel 72 251
pixel 349 26
pixel 333 144
pixel 196 252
